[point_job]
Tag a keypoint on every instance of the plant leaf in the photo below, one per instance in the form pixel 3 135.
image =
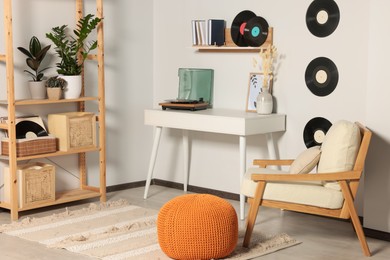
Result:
pixel 24 51
pixel 35 46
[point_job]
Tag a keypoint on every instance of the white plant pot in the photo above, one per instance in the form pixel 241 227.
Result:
pixel 37 89
pixel 264 103
pixel 73 86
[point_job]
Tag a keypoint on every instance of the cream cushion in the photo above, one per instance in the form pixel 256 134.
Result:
pixel 339 149
pixel 306 161
pixel 311 193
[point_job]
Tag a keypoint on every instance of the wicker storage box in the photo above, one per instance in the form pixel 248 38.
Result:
pixel 36 184
pixel 74 130
pixel 26 147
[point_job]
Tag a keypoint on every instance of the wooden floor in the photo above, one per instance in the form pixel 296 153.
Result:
pixel 322 238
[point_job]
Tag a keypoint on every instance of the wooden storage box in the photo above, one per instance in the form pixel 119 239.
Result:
pixel 36 184
pixel 26 147
pixel 74 130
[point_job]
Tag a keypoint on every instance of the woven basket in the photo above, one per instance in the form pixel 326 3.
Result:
pixel 26 147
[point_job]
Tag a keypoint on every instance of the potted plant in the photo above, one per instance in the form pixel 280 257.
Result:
pixel 54 86
pixel 35 55
pixel 73 51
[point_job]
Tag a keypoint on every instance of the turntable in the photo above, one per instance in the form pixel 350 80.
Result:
pixel 195 90
pixel 185 104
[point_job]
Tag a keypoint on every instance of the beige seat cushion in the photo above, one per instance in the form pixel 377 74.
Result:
pixel 306 161
pixel 311 193
pixel 339 149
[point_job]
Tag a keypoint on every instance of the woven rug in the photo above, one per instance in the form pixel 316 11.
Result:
pixel 118 230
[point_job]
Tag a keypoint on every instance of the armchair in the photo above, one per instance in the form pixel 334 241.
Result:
pixel 329 192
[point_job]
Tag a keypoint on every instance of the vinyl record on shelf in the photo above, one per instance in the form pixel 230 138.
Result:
pixel 256 31
pixel 238 27
pixel 322 17
pixel 321 76
pixel 315 131
pixel 29 129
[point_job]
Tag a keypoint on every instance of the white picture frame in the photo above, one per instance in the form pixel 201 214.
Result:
pixel 255 86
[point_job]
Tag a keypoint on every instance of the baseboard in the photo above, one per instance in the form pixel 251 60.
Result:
pixel 381 235
pixel 126 186
pixel 196 189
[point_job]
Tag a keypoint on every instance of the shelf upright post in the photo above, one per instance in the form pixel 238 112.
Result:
pixel 9 60
pixel 81 106
pixel 101 94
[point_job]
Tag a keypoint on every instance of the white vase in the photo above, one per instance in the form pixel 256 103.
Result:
pixel 73 86
pixel 37 89
pixel 264 102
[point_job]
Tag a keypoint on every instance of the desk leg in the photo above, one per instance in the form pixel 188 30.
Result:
pixel 271 146
pixel 242 172
pixel 185 156
pixel 153 157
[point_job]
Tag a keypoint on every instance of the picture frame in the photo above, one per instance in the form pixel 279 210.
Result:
pixel 255 86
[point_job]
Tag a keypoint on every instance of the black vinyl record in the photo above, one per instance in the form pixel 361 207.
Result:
pixel 321 76
pixel 24 127
pixel 238 27
pixel 256 31
pixel 322 17
pixel 315 131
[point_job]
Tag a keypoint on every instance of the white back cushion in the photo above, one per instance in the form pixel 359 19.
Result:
pixel 306 161
pixel 339 149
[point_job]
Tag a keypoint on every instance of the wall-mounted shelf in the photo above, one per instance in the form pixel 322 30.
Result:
pixel 230 46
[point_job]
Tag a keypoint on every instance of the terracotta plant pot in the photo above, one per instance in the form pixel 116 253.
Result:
pixel 54 93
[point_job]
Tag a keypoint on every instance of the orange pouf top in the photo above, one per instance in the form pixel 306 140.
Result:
pixel 197 226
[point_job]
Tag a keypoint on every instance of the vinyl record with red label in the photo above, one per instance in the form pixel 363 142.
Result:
pixel 256 31
pixel 315 131
pixel 238 26
pixel 322 17
pixel 321 76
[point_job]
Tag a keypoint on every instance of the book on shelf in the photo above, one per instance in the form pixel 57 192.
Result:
pixel 208 32
pixel 199 32
pixel 216 30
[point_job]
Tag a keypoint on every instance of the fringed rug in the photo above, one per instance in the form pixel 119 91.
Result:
pixel 117 230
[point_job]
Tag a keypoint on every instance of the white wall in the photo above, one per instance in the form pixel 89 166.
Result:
pixel 215 157
pixel 128 28
pixel 377 179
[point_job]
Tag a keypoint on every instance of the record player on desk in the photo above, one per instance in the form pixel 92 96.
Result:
pixel 195 90
pixel 185 104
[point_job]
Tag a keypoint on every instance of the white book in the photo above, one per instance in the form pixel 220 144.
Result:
pixel 194 37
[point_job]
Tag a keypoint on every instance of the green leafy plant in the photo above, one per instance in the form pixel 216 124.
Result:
pixel 56 82
pixel 71 49
pixel 35 56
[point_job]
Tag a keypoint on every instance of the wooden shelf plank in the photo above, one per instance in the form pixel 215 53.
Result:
pixel 25 102
pixel 61 197
pixel 58 153
pixel 226 49
pixel 66 196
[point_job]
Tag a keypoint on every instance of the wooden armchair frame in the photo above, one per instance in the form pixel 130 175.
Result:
pixel 349 182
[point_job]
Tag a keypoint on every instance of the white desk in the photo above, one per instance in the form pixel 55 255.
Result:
pixel 222 121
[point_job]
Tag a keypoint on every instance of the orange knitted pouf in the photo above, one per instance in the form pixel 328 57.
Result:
pixel 197 226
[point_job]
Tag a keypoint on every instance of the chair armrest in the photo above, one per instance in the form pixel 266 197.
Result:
pixel 339 176
pixel 263 163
